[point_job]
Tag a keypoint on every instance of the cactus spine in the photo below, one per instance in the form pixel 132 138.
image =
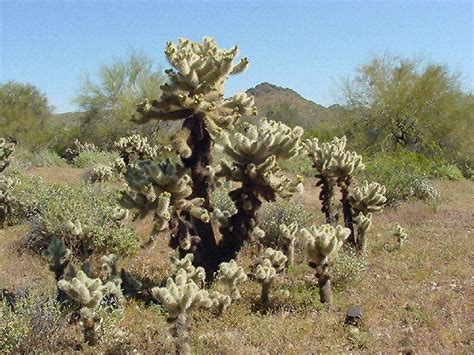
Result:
pixel 322 245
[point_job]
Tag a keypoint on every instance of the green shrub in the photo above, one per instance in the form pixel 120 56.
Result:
pixel 41 158
pixel 89 159
pixel 448 171
pixel 220 199
pixel 33 323
pixel 349 270
pixel 301 165
pixel 281 212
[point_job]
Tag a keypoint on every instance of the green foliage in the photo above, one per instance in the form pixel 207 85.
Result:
pixel 32 323
pixel 300 164
pixel 99 173
pixel 89 159
pixel 110 101
pixel 24 114
pixel 40 158
pixel 281 212
pixel 349 270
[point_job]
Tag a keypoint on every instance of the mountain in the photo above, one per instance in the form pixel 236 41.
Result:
pixel 289 107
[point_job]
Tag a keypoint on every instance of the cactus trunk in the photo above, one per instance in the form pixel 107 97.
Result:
pixel 327 199
pixel 324 283
pixel 200 143
pixel 180 332
pixel 265 296
pixel 89 324
pixel 361 240
pixel 347 209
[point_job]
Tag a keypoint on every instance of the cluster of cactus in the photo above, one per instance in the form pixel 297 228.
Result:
pixel 194 94
pixel 100 173
pixel 287 240
pixel 78 147
pixel 271 263
pixel 86 291
pixel 182 295
pixel 322 246
pixel 6 185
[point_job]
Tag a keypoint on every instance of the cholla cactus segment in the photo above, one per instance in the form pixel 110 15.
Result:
pixel 276 257
pixel 287 240
pixel 196 86
pixel 86 292
pixel 136 147
pixel 78 147
pixel 100 173
pixel 368 198
pixel 401 234
pixel 6 150
pixel 323 242
pixel 331 158
pixel 265 274
pixel 231 275
pixel 162 188
pixel 254 155
pixel 181 295
pixel 57 252
pixel 109 265
pixel 196 274
pixel 364 222
pixel 220 301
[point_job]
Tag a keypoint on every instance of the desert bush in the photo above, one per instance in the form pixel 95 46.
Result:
pixel 82 214
pixel 33 323
pixel 281 212
pixel 89 159
pixel 40 158
pixel 349 270
pixel 220 199
pixel 448 171
pixel 301 165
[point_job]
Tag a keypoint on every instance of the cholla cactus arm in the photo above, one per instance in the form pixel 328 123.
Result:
pixel 220 301
pixel 322 245
pixel 265 275
pixel 196 274
pixel 276 257
pixel 135 147
pixel 401 235
pixel 368 198
pixel 254 154
pixel 287 240
pixel 363 225
pixel 231 275
pixel 58 254
pixel 6 150
pixel 109 266
pixel 181 296
pixel 6 185
pixel 100 173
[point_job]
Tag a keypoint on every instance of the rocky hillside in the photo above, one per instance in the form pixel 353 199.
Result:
pixel 288 106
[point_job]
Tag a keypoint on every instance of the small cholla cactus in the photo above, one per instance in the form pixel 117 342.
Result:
pixel 265 275
pixel 220 301
pixel 134 148
pixel 363 223
pixel 287 240
pixel 88 293
pixel 78 147
pixel 6 185
pixel 254 154
pixel 322 245
pixel 100 173
pixel 334 165
pixel 180 297
pixel 276 257
pixel 231 275
pixel 368 198
pixel 58 254
pixel 196 274
pixel 401 235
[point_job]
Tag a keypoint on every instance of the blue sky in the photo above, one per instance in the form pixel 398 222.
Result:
pixel 304 45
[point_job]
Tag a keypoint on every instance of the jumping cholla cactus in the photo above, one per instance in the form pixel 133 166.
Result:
pixel 194 94
pixel 134 148
pixel 365 200
pixel 254 153
pixel 100 173
pixel 276 257
pixel 401 235
pixel 6 185
pixel 231 275
pixel 265 275
pixel 78 147
pixel 322 245
pixel 58 254
pixel 287 240
pixel 88 293
pixel 180 297
pixel 334 165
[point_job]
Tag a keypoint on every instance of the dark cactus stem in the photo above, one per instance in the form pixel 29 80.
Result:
pixel 347 208
pixel 324 283
pixel 58 270
pixel 242 223
pixel 180 331
pixel 89 328
pixel 327 199
pixel 200 143
pixel 265 295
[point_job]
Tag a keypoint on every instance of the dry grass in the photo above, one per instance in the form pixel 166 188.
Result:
pixel 63 175
pixel 418 299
